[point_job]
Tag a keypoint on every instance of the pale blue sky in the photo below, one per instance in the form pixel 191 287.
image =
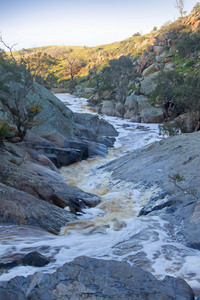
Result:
pixel 81 22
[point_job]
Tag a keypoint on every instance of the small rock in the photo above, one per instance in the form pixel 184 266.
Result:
pixel 35 259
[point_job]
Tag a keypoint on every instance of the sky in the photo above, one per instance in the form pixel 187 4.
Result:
pixel 34 23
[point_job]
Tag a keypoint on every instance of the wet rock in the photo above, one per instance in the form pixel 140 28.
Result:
pixel 10 265
pixel 35 259
pixel 89 278
pixel 34 195
pixel 152 166
pixel 21 208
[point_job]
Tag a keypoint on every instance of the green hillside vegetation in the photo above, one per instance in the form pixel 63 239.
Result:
pixel 88 57
pixel 113 72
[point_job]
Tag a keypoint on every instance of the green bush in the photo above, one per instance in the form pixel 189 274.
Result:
pixel 182 93
pixel 188 44
pixel 4 131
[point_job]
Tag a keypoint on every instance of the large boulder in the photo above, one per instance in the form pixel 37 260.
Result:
pixel 156 166
pixel 119 110
pixel 108 108
pixel 89 278
pixel 131 103
pixel 97 125
pixel 152 115
pixel 32 194
pixel 21 208
pixel 148 84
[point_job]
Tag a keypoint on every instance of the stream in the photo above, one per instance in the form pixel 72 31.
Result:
pixel 111 230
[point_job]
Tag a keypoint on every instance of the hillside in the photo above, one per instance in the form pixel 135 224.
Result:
pixel 151 78
pixel 87 57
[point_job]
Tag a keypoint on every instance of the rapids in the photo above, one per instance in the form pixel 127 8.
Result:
pixel 111 230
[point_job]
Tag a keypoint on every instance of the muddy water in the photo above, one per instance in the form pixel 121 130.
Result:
pixel 111 230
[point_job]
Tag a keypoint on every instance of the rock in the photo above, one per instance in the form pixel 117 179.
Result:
pixel 151 69
pixel 129 114
pixel 107 95
pixel 152 166
pixel 44 161
pixel 169 66
pixel 131 103
pixel 41 194
pixel 108 108
pixel 148 84
pixel 136 119
pixel 142 103
pixel 35 259
pixel 152 115
pixel 196 26
pixel 158 50
pixel 21 208
pixel 119 109
pixel 146 60
pixel 98 126
pixel 89 278
pixel 9 265
pixel 94 99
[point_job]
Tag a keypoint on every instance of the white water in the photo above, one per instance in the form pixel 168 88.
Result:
pixel 111 230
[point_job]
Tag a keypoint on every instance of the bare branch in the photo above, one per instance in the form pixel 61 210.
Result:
pixel 9 48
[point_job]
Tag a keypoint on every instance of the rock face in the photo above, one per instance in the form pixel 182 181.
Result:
pixel 89 278
pixel 32 194
pixel 157 165
pixel 32 191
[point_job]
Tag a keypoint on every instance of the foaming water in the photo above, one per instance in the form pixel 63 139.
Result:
pixel 111 230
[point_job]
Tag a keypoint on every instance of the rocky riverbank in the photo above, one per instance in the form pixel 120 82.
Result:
pixel 32 192
pixel 88 278
pixel 172 166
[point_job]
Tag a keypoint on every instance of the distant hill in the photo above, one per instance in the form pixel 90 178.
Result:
pixel 161 68
pixel 85 58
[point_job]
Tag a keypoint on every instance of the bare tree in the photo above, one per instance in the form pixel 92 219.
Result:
pixel 70 66
pixel 179 4
pixel 21 82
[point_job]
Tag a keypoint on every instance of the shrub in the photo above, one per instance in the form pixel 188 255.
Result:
pixel 187 44
pixel 4 131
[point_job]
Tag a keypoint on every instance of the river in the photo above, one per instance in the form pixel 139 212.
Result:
pixel 111 230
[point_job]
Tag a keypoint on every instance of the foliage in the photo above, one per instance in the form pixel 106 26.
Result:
pixel 196 7
pixel 179 4
pixel 16 83
pixel 166 83
pixel 117 76
pixel 4 130
pixel 187 94
pixel 14 161
pixel 178 92
pixel 176 179
pixel 188 44
pixel 137 34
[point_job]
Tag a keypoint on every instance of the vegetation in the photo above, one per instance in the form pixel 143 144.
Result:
pixel 179 4
pixel 179 93
pixel 16 82
pixel 114 70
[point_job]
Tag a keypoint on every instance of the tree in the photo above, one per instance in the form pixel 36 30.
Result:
pixel 179 93
pixel 118 75
pixel 70 67
pixel 179 4
pixel 15 85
